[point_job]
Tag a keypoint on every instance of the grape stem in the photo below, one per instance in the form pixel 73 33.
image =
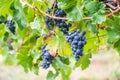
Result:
pixel 54 17
pixel 96 37
pixel 113 12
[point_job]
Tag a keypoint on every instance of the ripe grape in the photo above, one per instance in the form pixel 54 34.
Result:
pixel 46 57
pixel 64 27
pixel 10 25
pixel 77 42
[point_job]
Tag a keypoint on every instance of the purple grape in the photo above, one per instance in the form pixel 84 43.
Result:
pixel 46 57
pixel 77 42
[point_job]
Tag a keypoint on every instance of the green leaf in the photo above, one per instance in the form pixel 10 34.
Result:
pixel 30 14
pixel 92 28
pixel 58 43
pixel 97 11
pixel 19 15
pixel 113 29
pixel 35 24
pixel 65 60
pixel 2 19
pixel 39 42
pixel 95 7
pixel 4 50
pixel 9 59
pixel 75 14
pixel 2 31
pixel 84 61
pixel 65 72
pixel 50 75
pixel 21 33
pixel 117 46
pixel 92 44
pixel 63 47
pixel 64 69
pixel 6 36
pixel 36 69
pixel 24 59
pixel 98 18
pixel 5 6
pixel 67 4
pixel 30 41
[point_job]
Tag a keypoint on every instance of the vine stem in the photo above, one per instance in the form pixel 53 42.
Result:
pixel 113 12
pixel 54 17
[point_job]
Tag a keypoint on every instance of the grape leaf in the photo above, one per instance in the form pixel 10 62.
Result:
pixel 35 24
pixel 113 29
pixel 95 7
pixel 84 61
pixel 75 14
pixel 117 46
pixel 59 43
pixel 24 59
pixel 2 31
pixel 97 11
pixel 36 69
pixel 19 15
pixel 50 75
pixel 5 6
pixel 98 18
pixel 64 69
pixel 67 5
pixel 4 50
pixel 92 28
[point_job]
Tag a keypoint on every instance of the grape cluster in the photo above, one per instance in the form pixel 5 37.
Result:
pixel 64 27
pixel 77 42
pixel 49 21
pixel 62 23
pixel 37 37
pixel 47 58
pixel 10 25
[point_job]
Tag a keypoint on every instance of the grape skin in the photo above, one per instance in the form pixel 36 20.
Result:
pixel 64 27
pixel 46 57
pixel 77 42
pixel 10 25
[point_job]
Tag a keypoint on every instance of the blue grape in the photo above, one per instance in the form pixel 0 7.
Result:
pixel 37 37
pixel 77 42
pixel 46 57
pixel 74 42
pixel 64 27
pixel 10 25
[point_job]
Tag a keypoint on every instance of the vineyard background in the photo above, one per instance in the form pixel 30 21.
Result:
pixel 105 65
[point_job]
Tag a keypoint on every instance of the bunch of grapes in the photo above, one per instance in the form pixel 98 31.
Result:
pixel 62 23
pixel 47 58
pixel 10 25
pixel 49 21
pixel 64 27
pixel 37 37
pixel 77 42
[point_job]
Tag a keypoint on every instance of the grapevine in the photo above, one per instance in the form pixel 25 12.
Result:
pixel 58 34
